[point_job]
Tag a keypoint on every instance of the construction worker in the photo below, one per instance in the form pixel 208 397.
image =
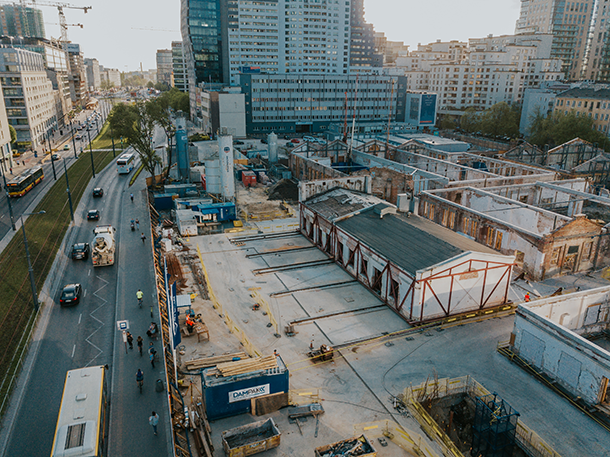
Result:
pixel 527 297
pixel 190 323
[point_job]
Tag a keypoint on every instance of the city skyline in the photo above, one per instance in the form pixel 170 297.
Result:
pixel 160 20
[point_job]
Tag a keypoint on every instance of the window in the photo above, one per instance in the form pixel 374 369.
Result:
pixel 556 255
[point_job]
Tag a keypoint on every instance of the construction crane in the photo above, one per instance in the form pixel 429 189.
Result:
pixel 152 29
pixel 63 24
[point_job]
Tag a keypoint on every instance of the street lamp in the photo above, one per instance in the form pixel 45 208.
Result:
pixel 68 190
pixel 27 254
pixel 73 139
pixel 51 152
pixel 91 152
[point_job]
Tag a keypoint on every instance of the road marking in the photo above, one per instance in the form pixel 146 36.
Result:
pixel 85 294
pixel 73 350
pixel 101 324
pixel 79 318
pixel 89 274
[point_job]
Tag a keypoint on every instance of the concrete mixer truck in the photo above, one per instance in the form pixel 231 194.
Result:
pixel 102 247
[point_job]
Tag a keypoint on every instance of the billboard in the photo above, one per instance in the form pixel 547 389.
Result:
pixel 427 114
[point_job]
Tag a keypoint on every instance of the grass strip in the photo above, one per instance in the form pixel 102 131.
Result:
pixel 45 234
pixel 104 140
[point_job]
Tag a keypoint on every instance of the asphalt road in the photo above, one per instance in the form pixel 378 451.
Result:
pixel 86 334
pixel 20 205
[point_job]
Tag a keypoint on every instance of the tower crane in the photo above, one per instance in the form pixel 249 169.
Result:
pixel 63 24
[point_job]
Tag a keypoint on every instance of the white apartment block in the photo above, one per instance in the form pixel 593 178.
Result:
pixel 569 22
pixel 595 68
pixel 481 73
pixel 283 36
pixel 6 155
pixel 28 95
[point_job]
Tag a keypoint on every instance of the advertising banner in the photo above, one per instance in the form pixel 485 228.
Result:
pixel 251 392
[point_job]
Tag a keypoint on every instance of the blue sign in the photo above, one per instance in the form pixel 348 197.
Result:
pixel 172 309
pixel 428 109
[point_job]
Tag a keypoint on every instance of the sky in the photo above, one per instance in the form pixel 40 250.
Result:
pixel 123 33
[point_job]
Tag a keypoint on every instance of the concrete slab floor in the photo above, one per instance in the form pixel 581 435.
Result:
pixel 359 384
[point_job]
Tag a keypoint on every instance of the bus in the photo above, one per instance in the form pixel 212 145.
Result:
pixel 22 184
pixel 82 425
pixel 125 162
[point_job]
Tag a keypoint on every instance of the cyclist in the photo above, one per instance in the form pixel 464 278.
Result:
pixel 140 296
pixel 140 379
pixel 131 196
pixel 140 342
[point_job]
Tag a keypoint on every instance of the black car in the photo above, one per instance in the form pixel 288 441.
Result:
pixel 70 295
pixel 98 192
pixel 93 215
pixel 239 143
pixel 80 251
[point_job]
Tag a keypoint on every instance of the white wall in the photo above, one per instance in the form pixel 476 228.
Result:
pixel 232 113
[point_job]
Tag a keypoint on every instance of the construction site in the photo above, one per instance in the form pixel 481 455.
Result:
pixel 345 325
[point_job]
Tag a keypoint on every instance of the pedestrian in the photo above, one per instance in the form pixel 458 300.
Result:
pixel 130 340
pixel 140 342
pixel 137 224
pixel 143 238
pixel 154 420
pixel 131 196
pixel 152 359
pixel 275 353
pixel 11 170
pixel 311 346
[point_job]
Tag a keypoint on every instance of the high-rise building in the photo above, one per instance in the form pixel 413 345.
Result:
pixel 223 38
pixel 78 77
pixel 568 22
pixel 29 96
pixel 179 67
pixel 18 21
pixel 165 66
pixel 92 68
pixel 110 77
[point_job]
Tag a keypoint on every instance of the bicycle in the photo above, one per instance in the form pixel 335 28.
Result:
pixel 140 300
pixel 140 297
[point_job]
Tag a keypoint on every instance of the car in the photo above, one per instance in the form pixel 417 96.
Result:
pixel 70 295
pixel 290 144
pixel 238 142
pixel 320 141
pixel 66 147
pixel 295 141
pixel 77 137
pixel 93 215
pixel 80 251
pixel 55 157
pixel 98 192
pixel 263 140
pixel 309 138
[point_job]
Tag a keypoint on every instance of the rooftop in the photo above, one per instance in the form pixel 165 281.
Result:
pixel 585 93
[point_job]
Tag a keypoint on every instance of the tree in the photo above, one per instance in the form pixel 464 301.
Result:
pixel 163 87
pixel 106 84
pixel 501 120
pixel 178 101
pixel 150 84
pixel 13 133
pixel 559 128
pixel 469 122
pixel 160 109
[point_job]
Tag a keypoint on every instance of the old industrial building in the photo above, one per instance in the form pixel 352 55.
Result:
pixel 422 271
pixel 565 338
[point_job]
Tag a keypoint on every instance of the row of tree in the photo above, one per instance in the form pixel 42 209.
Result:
pixel 501 121
pixel 136 123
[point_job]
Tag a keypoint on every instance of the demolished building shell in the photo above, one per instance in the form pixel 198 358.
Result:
pixel 556 335
pixel 422 271
pixel 544 242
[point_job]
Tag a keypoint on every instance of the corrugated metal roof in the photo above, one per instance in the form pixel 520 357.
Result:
pixel 412 243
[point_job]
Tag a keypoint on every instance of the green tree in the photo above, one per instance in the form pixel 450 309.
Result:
pixel 163 87
pixel 470 120
pixel 160 110
pixel 560 127
pixel 150 84
pixel 501 120
pixel 178 101
pixel 447 122
pixel 13 133
pixel 105 85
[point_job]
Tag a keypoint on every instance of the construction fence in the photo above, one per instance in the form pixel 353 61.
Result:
pixel 438 388
pixel 409 441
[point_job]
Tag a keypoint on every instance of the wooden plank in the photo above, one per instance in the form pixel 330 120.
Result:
pixel 268 403
pixel 206 362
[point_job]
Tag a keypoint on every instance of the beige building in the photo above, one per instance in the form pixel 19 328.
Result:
pixel 28 95
pixel 568 23
pixel 592 102
pixel 6 156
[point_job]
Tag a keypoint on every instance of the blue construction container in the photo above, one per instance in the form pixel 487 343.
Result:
pixel 225 397
pixel 223 211
pixel 164 201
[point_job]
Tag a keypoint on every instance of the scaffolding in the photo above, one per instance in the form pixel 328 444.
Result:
pixel 495 426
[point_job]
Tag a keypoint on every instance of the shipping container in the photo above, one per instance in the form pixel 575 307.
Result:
pixel 230 396
pixel 251 439
pixel 248 178
pixel 364 446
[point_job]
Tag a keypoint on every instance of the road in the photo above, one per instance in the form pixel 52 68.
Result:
pixel 20 205
pixel 86 334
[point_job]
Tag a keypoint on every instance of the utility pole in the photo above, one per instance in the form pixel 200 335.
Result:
pixel 68 190
pixel 51 152
pixel 91 152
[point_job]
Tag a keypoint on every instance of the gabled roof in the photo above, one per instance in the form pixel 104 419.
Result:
pixel 524 149
pixel 569 143
pixel 591 164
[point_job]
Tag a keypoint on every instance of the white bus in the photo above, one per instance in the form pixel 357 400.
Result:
pixel 82 425
pixel 125 162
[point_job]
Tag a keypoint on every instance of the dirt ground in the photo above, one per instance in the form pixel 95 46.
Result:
pixel 254 201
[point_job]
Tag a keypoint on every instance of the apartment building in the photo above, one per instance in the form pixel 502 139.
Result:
pixel 569 23
pixel 78 77
pixel 291 103
pixel 28 95
pixel 92 69
pixel 390 50
pixel 481 73
pixel 165 66
pixel 593 102
pixel 6 155
pixel 111 76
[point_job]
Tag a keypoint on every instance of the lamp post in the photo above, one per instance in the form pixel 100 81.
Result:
pixel 51 152
pixel 91 152
pixel 27 254
pixel 68 190
pixel 73 139
pixel 112 139
pixel 8 199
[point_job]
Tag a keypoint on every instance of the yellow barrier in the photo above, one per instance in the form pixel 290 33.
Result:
pixel 407 440
pixel 234 329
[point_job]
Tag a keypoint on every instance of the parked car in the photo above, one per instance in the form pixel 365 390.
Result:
pixel 238 142
pixel 320 141
pixel 295 141
pixel 264 140
pixel 55 156
pixel 70 295
pixel 309 138
pixel 98 192
pixel 80 251
pixel 77 136
pixel 93 215
pixel 66 147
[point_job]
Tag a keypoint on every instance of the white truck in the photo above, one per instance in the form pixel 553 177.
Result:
pixel 102 247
